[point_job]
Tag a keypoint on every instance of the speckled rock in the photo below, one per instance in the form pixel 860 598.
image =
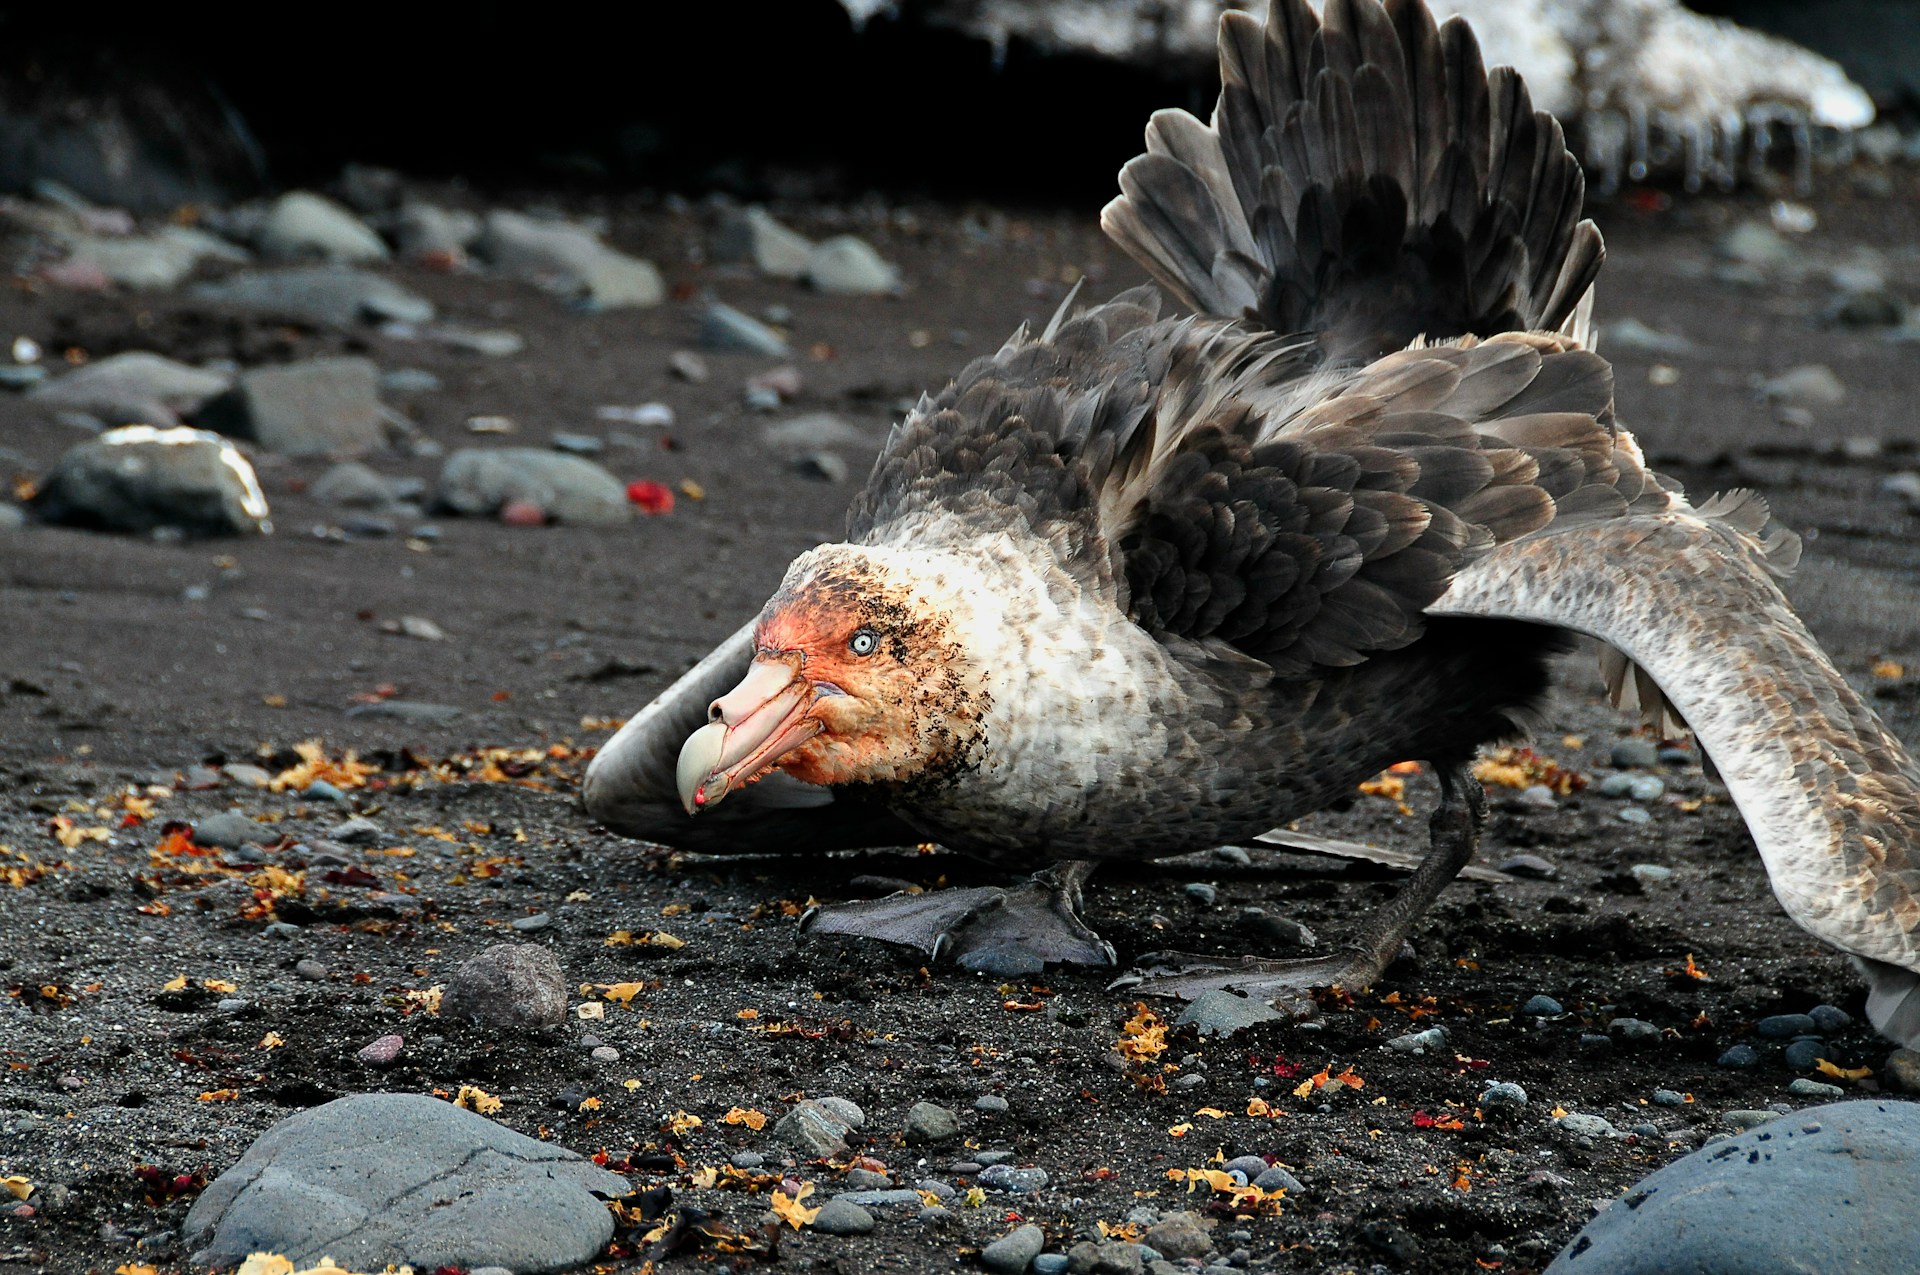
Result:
pixel 1829 1188
pixel 391 1178
pixel 507 986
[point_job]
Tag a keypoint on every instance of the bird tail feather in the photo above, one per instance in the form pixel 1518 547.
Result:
pixel 1366 180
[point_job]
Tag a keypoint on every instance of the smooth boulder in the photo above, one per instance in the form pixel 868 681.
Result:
pixel 1828 1188
pixel 139 478
pixel 383 1179
pixel 478 481
pixel 321 407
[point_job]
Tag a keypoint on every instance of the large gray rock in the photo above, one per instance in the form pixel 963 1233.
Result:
pixel 139 478
pixel 135 388
pixel 1830 1188
pixel 570 260
pixel 477 481
pixel 507 986
pixel 388 1178
pixel 325 296
pixel 322 407
pixel 303 226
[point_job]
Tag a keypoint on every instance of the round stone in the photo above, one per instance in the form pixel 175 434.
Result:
pixel 842 1217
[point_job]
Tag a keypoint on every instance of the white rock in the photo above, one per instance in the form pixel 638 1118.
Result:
pixel 848 265
pixel 132 388
pixel 570 260
pixel 303 226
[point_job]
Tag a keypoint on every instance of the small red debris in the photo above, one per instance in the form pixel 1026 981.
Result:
pixel 652 497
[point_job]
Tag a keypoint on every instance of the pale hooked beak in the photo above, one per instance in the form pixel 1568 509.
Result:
pixel 752 726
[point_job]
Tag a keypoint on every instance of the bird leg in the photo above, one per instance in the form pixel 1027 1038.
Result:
pixel 983 927
pixel 1455 834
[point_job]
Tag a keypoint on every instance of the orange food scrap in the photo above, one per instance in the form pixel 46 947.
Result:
pixel 476 1099
pixel 1143 1037
pixel 755 1120
pixel 789 1209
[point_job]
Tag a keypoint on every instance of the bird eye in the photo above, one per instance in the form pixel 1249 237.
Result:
pixel 864 642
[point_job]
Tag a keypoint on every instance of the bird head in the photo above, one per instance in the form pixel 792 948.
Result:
pixel 858 677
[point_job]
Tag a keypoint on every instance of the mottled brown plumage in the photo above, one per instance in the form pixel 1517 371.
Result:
pixel 1140 585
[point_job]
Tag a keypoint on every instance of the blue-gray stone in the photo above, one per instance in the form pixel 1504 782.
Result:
pixel 881 1199
pixel 992 1157
pixel 1830 1188
pixel 1676 757
pixel 1804 1088
pixel 1503 1095
pixel 1828 1019
pixel 1669 1098
pixel 1633 814
pixel 1614 786
pixel 1582 1125
pixel 1433 1038
pixel 725 328
pixel 390 1178
pixel 841 1216
pixel 1050 1264
pixel 1646 788
pixel 1011 1253
pixel 930 1122
pixel 1200 892
pixel 1744 1118
pixel 1785 1026
pixel 1542 1007
pixel 1651 874
pixel 1803 1055
pixel 1634 1029
pixel 1252 1166
pixel 1278 1179
pixel 1003 1177
pixel 991 1104
pixel 1740 1057
pixel 942 1190
pixel 1635 751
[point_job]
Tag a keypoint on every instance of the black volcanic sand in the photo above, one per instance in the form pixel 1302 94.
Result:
pixel 125 661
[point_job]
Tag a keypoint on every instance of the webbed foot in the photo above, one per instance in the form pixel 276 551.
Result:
pixel 1002 931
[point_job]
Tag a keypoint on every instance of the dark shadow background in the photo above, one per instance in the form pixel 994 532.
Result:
pixel 764 97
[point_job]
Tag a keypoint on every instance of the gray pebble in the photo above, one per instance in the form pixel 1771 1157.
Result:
pixel 605 1054
pixel 1050 1264
pixel 310 970
pixel 532 924
pixel 1419 1042
pixel 1633 814
pixel 1635 751
pixel 382 1052
pixel 1676 757
pixel 1531 866
pixel 1503 1095
pixel 1669 1098
pixel 1012 1253
pixel 1252 1166
pixel 1542 1007
pixel 491 1270
pixel 746 1159
pixel 1651 874
pixel 1192 1080
pixel 936 1187
pixel 1745 1118
pixel 1537 797
pixel 227 831
pixel 1594 1042
pixel 934 1213
pixel 1202 893
pixel 1645 1130
pixel 990 1103
pixel 1002 1177
pixel 990 1158
pixel 1634 1029
pixel 1801 1087
pixel 1236 855
pixel 1646 788
pixel 877 1198
pixel 1803 1055
pixel 1740 1057
pixel 1581 1125
pixel 281 930
pixel 1614 785
pixel 1828 1019
pixel 1276 1178
pixel 846 1109
pixel 1784 1026
pixel 234 1005
pixel 842 1217
pixel 930 1122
